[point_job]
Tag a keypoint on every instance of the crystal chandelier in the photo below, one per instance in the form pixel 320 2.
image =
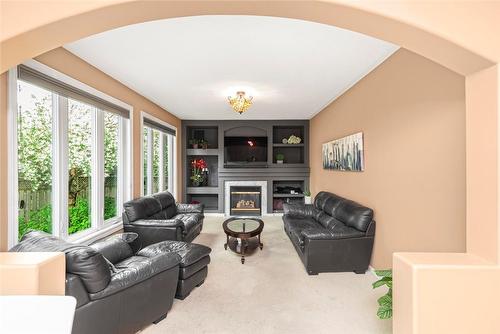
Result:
pixel 240 103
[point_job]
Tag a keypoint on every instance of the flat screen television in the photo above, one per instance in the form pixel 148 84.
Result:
pixel 245 151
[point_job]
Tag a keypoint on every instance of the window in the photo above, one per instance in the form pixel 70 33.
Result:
pixel 34 152
pixel 71 166
pixel 158 145
pixel 80 163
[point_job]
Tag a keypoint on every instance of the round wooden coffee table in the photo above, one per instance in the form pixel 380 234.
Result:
pixel 243 235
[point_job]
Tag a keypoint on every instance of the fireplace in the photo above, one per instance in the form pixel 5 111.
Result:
pixel 245 200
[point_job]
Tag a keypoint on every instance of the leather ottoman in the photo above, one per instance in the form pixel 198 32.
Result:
pixel 193 265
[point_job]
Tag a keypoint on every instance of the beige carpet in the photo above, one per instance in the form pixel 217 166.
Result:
pixel 271 293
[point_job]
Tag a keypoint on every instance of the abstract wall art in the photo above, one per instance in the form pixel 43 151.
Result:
pixel 345 154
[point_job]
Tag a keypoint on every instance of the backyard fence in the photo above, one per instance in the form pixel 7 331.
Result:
pixel 34 200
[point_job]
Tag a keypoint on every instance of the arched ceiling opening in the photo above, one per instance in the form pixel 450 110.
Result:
pixel 86 22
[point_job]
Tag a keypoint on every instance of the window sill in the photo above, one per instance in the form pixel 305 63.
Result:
pixel 92 236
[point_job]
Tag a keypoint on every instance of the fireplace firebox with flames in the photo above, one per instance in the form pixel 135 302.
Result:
pixel 245 201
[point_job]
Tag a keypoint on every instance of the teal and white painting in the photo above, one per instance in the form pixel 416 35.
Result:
pixel 344 154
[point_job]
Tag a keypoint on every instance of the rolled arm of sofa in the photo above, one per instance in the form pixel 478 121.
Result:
pixel 189 208
pixel 299 210
pixel 316 234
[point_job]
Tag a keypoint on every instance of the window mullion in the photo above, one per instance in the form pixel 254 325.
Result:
pixel 150 161
pixel 60 166
pixel 161 170
pixel 120 159
pixel 172 165
pixel 97 172
pixel 13 185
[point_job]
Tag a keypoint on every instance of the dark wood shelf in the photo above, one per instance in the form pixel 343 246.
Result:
pixel 202 190
pixel 289 145
pixel 288 195
pixel 199 151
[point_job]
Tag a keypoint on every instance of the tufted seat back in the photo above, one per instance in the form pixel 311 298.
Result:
pixel 339 209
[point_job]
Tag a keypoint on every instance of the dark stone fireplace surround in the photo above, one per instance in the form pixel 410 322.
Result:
pixel 220 175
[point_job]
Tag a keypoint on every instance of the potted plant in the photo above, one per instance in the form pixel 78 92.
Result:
pixel 194 143
pixel 307 197
pixel 280 158
pixel 197 168
pixel 384 302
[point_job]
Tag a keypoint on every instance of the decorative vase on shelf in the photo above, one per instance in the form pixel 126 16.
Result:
pixel 196 183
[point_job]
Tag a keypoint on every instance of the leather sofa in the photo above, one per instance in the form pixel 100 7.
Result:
pixel 116 290
pixel 157 218
pixel 332 235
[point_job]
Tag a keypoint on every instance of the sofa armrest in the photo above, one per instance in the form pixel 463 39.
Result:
pixel 159 223
pixel 137 270
pixel 298 210
pixel 316 234
pixel 189 208
pixel 75 288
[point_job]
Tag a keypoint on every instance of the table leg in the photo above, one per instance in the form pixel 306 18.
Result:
pixel 242 251
pixel 227 242
pixel 261 245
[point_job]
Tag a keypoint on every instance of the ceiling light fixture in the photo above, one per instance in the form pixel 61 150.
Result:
pixel 240 103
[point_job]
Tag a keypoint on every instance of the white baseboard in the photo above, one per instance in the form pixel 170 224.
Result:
pixel 372 271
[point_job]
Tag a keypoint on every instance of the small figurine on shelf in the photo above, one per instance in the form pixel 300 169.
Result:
pixel 204 172
pixel 203 144
pixel 294 140
pixel 198 165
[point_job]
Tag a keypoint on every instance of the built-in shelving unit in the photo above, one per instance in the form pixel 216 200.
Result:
pixel 293 153
pixel 294 170
pixel 287 191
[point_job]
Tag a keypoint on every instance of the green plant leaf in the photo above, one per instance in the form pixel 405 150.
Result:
pixel 383 281
pixel 384 312
pixel 385 300
pixel 384 273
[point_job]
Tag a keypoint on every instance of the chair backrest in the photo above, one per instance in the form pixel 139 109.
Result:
pixel 81 260
pixel 167 202
pixel 142 208
pixel 346 211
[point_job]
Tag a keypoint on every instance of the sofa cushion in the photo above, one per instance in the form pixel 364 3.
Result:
pixel 295 225
pixel 190 208
pixel 81 260
pixel 114 249
pixel 167 203
pixel 354 215
pixel 341 231
pixel 188 252
pixel 326 220
pixel 143 208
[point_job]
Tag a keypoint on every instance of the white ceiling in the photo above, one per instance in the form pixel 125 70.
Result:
pixel 189 65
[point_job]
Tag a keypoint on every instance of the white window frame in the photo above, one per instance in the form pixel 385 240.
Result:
pixel 172 157
pixel 99 228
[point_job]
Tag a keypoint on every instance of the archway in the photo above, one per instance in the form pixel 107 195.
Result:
pixel 482 75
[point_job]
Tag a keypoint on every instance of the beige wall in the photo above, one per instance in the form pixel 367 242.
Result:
pixel 482 166
pixel 69 64
pixel 412 114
